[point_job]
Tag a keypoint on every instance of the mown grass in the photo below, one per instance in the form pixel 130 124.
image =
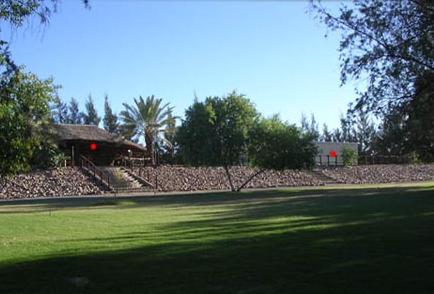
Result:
pixel 355 239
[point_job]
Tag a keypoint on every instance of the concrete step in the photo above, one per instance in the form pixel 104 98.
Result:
pixel 121 181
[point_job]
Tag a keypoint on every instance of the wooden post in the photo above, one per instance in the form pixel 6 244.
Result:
pixel 72 156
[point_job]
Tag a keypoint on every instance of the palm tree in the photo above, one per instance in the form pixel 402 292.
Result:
pixel 147 119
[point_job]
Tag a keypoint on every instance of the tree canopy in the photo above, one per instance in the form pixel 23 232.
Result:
pixel 110 119
pixel 24 117
pixel 215 132
pixel 90 117
pixel 147 119
pixel 74 116
pixel 390 43
pixel 278 145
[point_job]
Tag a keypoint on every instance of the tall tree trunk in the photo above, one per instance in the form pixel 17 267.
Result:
pixel 149 139
pixel 228 174
pixel 250 178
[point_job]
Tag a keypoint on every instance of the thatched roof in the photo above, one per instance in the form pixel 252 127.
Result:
pixel 70 132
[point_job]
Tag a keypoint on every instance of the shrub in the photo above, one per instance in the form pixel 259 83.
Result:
pixel 349 156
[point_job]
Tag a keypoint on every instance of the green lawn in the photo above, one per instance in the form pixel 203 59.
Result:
pixel 334 240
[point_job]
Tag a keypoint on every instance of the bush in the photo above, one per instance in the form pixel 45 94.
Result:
pixel 349 156
pixel 277 145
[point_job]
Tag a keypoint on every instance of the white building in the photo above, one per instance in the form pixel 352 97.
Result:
pixel 330 153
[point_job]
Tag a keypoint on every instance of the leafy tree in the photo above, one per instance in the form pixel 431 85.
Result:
pixel 389 42
pixel 215 132
pixel 278 145
pixel 147 119
pixel 90 117
pixel 75 116
pixel 391 138
pixel 347 128
pixel 337 135
pixel 420 123
pixel 59 111
pixel 349 156
pixel 24 120
pixel 110 119
pixel 195 136
pixel 310 127
pixel 364 132
pixel 327 136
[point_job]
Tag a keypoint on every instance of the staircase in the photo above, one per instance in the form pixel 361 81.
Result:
pixel 317 172
pixel 122 181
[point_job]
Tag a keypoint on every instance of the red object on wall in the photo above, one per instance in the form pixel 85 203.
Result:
pixel 92 146
pixel 333 154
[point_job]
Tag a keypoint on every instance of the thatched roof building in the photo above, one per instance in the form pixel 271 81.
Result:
pixel 98 145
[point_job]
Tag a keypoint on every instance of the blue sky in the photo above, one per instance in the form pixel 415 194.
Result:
pixel 274 52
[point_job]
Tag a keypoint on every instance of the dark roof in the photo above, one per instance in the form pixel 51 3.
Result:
pixel 70 132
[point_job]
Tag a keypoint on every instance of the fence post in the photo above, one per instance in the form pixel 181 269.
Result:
pixel 328 160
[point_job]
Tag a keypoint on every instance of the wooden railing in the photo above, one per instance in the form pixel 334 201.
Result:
pixel 133 161
pixel 95 172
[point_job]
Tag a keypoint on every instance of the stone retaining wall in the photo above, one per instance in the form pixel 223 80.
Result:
pixel 72 182
pixel 67 181
pixel 387 173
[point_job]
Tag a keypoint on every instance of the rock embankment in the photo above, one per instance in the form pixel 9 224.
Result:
pixel 180 178
pixel 372 174
pixel 72 182
pixel 67 181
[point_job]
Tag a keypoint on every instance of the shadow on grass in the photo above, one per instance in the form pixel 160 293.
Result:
pixel 205 198
pixel 270 242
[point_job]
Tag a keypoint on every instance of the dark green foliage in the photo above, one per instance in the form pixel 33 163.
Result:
pixel 90 117
pixel 24 120
pixel 390 42
pixel 47 154
pixel 349 156
pixel 59 111
pixel 420 124
pixel 196 135
pixel 278 145
pixel 365 132
pixel 310 128
pixel 75 116
pixel 215 132
pixel 326 136
pixel 110 119
pixel 389 45
pixel 391 137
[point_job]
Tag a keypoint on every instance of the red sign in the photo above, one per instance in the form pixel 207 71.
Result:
pixel 92 146
pixel 333 154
